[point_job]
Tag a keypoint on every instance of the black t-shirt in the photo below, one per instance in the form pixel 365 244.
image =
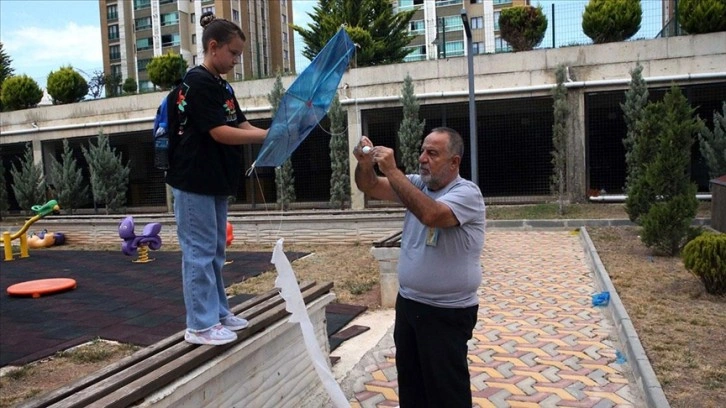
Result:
pixel 199 164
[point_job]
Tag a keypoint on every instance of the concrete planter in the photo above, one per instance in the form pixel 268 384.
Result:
pixel 387 258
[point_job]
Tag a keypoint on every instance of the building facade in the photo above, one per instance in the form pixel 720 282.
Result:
pixel 135 31
pixel 439 29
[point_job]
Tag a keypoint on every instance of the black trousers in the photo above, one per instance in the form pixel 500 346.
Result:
pixel 431 351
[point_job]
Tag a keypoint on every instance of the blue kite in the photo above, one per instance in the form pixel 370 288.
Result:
pixel 306 102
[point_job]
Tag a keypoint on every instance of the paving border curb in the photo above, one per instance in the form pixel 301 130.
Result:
pixel 639 362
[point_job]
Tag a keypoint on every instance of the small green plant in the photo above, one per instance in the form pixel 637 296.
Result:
pixel 523 27
pixel 21 372
pixel 702 16
pixel 705 257
pixel 607 21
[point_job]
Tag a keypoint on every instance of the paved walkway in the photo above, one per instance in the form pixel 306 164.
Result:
pixel 538 341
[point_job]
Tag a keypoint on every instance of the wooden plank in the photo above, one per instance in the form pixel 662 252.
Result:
pixel 176 368
pixel 115 376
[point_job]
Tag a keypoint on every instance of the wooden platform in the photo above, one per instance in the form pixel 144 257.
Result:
pixel 132 379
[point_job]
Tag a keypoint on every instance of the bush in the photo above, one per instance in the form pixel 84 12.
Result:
pixel 66 86
pixel 607 21
pixel 705 257
pixel 702 16
pixel 523 27
pixel 165 70
pixel 20 92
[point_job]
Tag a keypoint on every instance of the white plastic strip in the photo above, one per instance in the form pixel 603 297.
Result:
pixel 290 291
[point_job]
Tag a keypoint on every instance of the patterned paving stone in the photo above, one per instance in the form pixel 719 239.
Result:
pixel 538 341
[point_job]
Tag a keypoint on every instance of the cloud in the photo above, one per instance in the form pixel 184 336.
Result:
pixel 73 44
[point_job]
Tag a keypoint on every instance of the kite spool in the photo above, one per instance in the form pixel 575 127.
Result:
pixel 366 149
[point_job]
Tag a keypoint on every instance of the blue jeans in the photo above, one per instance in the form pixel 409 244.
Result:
pixel 201 222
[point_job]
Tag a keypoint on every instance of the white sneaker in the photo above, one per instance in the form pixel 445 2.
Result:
pixel 216 336
pixel 234 323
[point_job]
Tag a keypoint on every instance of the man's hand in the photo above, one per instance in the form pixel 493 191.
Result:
pixel 385 158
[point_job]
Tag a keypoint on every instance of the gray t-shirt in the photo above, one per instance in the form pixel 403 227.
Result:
pixel 441 266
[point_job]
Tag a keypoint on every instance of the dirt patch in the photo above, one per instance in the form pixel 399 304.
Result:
pixel 682 328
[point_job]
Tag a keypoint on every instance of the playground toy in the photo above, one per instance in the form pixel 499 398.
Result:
pixel 149 239
pixel 45 239
pixel 40 212
pixel 40 287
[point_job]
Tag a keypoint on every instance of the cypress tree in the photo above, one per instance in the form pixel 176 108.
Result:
pixel 411 130
pixel 558 180
pixel 4 203
pixel 713 144
pixel 284 175
pixel 70 188
pixel 109 176
pixel 636 97
pixel 340 177
pixel 28 181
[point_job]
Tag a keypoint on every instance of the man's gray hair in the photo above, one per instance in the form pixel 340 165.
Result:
pixel 456 142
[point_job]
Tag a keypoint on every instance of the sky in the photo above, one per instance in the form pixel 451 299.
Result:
pixel 42 36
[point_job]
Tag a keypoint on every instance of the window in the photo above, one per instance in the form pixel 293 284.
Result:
pixel 477 48
pixel 146 86
pixel 144 44
pixel 442 3
pixel 140 4
pixel 477 23
pixel 286 55
pixel 417 27
pixel 284 20
pixel 192 18
pixel 113 32
pixel 116 70
pixel 168 19
pixel 496 19
pixel 454 48
pixel 114 52
pixel 112 12
pixel 475 1
pixel 170 40
pixel 194 60
pixel 500 45
pixel 417 53
pixel 210 8
pixel 235 15
pixel 194 38
pixel 498 2
pixel 142 63
pixel 166 1
pixel 143 23
pixel 284 38
pixel 452 23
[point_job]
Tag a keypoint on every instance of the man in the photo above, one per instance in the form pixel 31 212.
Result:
pixel 439 267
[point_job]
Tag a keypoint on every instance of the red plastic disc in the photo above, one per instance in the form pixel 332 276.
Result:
pixel 40 287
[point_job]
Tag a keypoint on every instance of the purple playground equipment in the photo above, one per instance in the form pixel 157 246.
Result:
pixel 149 239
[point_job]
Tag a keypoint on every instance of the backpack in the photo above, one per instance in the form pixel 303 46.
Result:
pixel 167 123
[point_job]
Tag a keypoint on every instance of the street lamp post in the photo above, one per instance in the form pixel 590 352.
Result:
pixel 472 105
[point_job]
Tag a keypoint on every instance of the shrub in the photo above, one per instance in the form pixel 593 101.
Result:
pixel 66 86
pixel 705 257
pixel 523 27
pixel 607 21
pixel 165 70
pixel 702 16
pixel 20 92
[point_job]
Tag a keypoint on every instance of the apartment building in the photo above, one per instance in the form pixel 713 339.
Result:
pixel 439 29
pixel 135 31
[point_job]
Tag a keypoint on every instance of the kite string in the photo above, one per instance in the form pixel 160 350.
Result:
pixel 267 210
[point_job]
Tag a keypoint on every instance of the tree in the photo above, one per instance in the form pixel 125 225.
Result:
pixel 523 27
pixel 28 181
pixel 66 86
pixel 636 97
pixel 113 85
pixel 381 34
pixel 702 16
pixel 109 176
pixel 284 175
pixel 607 21
pixel 165 70
pixel 130 86
pixel 20 92
pixel 339 160
pixel 667 221
pixel 713 144
pixel 411 129
pixel 97 84
pixel 558 181
pixel 6 71
pixel 67 179
pixel 4 202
